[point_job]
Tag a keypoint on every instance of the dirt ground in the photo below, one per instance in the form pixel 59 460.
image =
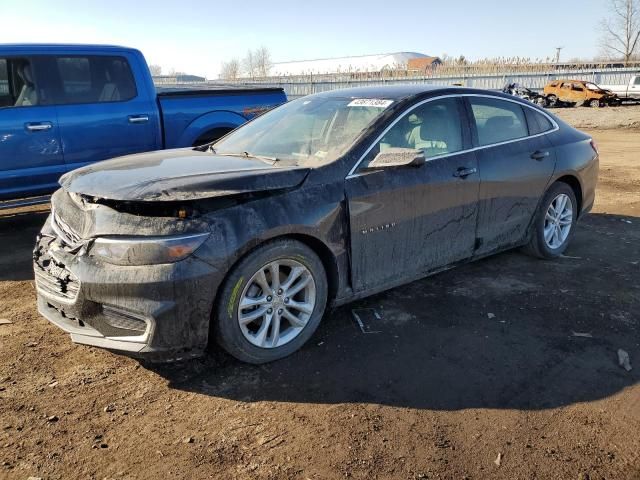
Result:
pixel 626 116
pixel 502 369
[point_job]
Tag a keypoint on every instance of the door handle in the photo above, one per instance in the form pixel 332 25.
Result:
pixel 138 118
pixel 39 126
pixel 463 172
pixel 539 155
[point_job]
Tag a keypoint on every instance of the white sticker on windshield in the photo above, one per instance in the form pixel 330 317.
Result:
pixel 370 102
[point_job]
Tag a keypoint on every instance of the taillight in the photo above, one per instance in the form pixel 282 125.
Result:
pixel 594 145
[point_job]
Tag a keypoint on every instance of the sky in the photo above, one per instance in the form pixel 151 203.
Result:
pixel 196 36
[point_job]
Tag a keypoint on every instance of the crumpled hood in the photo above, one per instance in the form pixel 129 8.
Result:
pixel 178 175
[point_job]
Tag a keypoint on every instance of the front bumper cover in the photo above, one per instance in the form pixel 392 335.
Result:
pixel 155 311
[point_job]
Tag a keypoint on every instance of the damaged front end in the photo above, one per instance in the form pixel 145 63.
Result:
pixel 117 264
pixel 122 281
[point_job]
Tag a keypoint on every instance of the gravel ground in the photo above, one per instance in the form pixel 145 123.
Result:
pixel 626 116
pixel 502 369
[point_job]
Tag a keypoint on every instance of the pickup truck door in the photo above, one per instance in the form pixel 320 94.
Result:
pixel 30 150
pixel 102 113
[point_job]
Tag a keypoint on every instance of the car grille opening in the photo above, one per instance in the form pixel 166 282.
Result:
pixel 57 282
pixel 124 320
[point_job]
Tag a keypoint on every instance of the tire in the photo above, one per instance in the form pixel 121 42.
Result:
pixel 541 102
pixel 538 246
pixel 242 341
pixel 552 101
pixel 595 103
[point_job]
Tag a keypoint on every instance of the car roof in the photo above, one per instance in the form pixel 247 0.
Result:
pixel 402 92
pixel 391 92
pixel 60 47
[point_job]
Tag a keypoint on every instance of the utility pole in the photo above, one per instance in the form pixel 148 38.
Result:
pixel 558 49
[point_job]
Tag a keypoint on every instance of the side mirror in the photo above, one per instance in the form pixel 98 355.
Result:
pixel 398 157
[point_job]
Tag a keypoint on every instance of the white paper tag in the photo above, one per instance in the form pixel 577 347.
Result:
pixel 370 102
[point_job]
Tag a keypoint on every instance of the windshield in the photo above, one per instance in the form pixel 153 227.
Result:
pixel 308 131
pixel 592 86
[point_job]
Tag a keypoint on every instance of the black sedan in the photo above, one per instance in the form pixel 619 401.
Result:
pixel 321 201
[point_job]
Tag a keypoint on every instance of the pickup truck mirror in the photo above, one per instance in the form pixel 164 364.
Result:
pixel 397 157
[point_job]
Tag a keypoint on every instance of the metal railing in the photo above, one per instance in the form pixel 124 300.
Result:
pixel 299 86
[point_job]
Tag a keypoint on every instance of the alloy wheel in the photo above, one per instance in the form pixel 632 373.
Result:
pixel 277 303
pixel 558 221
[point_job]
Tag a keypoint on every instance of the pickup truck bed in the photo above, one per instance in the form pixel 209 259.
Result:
pixel 628 91
pixel 230 107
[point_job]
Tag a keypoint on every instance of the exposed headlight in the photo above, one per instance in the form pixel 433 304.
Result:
pixel 146 250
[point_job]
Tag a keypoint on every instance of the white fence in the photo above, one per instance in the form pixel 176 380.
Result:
pixel 300 86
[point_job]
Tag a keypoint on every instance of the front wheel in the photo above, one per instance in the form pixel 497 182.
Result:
pixel 541 101
pixel 595 103
pixel 271 303
pixel 554 223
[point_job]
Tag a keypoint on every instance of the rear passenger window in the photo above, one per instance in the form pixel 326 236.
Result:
pixel 498 120
pixel 538 123
pixel 94 79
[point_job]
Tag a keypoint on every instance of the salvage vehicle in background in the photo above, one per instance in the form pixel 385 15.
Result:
pixel 326 199
pixel 576 93
pixel 65 106
pixel 628 91
pixel 525 93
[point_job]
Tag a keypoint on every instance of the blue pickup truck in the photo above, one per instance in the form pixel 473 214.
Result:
pixel 64 106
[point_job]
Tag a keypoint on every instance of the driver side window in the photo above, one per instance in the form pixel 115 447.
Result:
pixel 434 128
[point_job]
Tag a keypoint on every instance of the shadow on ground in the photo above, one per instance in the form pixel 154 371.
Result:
pixel 498 333
pixel 17 237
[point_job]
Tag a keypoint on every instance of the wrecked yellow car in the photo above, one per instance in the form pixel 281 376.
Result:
pixel 574 93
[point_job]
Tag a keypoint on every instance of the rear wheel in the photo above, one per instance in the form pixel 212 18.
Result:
pixel 271 302
pixel 553 225
pixel 211 136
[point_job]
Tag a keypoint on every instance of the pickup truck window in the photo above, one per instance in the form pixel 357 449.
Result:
pixel 637 80
pixel 17 85
pixel 92 79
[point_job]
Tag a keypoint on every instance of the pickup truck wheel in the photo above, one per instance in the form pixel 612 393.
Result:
pixel 595 103
pixel 554 222
pixel 211 136
pixel 271 303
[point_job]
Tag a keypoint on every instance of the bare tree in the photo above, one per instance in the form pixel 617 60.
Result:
pixel 249 64
pixel 621 32
pixel 263 62
pixel 230 70
pixel 156 70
